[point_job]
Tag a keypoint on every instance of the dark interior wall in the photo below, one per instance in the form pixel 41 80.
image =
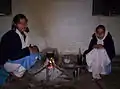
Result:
pixel 6 7
pixel 106 7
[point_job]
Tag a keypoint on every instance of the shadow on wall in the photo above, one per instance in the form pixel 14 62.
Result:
pixel 40 15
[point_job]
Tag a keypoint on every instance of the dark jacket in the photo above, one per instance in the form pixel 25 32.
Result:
pixel 108 45
pixel 11 47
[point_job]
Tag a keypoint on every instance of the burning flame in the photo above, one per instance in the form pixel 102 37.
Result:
pixel 51 63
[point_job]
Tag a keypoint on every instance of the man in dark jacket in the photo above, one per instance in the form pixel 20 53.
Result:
pixel 15 54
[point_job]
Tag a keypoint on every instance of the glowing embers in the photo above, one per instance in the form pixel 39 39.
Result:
pixel 51 63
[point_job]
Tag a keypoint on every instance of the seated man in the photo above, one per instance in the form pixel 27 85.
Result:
pixel 15 55
pixel 100 52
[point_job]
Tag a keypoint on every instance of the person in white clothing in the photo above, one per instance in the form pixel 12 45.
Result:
pixel 100 52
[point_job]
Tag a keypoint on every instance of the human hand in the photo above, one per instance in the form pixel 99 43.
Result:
pixel 33 49
pixel 98 46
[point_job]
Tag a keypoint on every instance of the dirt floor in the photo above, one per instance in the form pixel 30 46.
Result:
pixel 111 81
pixel 85 82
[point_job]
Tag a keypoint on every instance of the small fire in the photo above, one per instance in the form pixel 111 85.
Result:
pixel 51 63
